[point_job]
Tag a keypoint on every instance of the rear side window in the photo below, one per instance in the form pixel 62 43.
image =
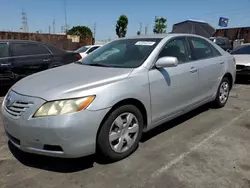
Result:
pixel 241 50
pixel 22 49
pixel 4 51
pixel 92 49
pixel 201 49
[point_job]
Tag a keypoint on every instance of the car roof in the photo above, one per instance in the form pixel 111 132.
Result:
pixel 88 46
pixel 23 41
pixel 245 44
pixel 218 38
pixel 161 36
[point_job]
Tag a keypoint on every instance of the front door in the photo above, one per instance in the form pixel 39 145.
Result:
pixel 174 88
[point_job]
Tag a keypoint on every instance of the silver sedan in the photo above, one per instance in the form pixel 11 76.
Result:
pixel 105 102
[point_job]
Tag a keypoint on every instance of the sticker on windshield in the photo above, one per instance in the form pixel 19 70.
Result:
pixel 145 43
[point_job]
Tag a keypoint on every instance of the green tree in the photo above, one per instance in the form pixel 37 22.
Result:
pixel 160 25
pixel 121 26
pixel 81 31
pixel 138 33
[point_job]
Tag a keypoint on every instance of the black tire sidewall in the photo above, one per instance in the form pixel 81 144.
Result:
pixel 103 144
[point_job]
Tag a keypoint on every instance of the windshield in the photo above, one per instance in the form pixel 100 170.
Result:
pixel 244 49
pixel 125 53
pixel 82 49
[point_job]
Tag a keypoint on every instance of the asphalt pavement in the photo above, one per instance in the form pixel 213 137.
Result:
pixel 204 148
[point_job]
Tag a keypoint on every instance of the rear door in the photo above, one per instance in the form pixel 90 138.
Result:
pixel 29 58
pixel 210 64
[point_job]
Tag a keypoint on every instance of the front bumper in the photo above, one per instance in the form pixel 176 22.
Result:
pixel 67 136
pixel 242 70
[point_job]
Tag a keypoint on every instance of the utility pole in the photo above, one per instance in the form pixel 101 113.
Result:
pixel 140 27
pixel 94 30
pixel 62 29
pixel 49 29
pixel 65 16
pixel 54 26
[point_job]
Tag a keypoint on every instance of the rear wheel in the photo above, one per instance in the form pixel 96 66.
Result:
pixel 222 93
pixel 120 133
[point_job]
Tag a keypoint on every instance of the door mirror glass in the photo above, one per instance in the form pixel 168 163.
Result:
pixel 166 62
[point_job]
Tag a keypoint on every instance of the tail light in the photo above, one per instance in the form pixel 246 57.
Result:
pixel 78 56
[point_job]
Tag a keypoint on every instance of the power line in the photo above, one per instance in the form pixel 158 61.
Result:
pixel 227 11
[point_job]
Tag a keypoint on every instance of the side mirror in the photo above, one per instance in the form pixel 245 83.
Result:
pixel 166 62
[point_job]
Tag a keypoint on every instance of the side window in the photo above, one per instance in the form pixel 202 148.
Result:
pixel 201 49
pixel 176 48
pixel 4 50
pixel 92 49
pixel 22 49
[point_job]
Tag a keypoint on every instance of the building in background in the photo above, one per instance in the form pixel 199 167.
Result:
pixel 234 33
pixel 63 41
pixel 194 27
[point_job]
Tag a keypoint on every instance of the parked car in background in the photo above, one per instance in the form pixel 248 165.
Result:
pixel 85 50
pixel 20 58
pixel 223 42
pixel 108 99
pixel 242 57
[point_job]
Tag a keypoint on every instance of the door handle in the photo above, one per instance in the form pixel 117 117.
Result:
pixel 46 60
pixel 221 62
pixel 5 64
pixel 193 70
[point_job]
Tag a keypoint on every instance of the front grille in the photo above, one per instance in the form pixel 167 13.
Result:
pixel 240 66
pixel 17 108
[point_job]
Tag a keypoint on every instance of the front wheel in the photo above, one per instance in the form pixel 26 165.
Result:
pixel 121 132
pixel 222 93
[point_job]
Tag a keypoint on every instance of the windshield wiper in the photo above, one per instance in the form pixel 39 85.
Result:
pixel 99 64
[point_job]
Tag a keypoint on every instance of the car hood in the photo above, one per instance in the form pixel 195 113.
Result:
pixel 242 59
pixel 68 81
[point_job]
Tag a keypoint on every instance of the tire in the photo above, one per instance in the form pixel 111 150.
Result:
pixel 110 147
pixel 219 102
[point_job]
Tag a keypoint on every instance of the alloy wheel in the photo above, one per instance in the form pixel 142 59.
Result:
pixel 224 92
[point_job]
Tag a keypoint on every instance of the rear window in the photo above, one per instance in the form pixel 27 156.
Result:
pixel 4 51
pixel 82 49
pixel 241 50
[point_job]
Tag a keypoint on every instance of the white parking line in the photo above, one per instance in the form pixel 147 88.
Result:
pixel 195 147
pixel 6 158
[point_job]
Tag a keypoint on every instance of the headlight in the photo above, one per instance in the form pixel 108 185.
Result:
pixel 67 106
